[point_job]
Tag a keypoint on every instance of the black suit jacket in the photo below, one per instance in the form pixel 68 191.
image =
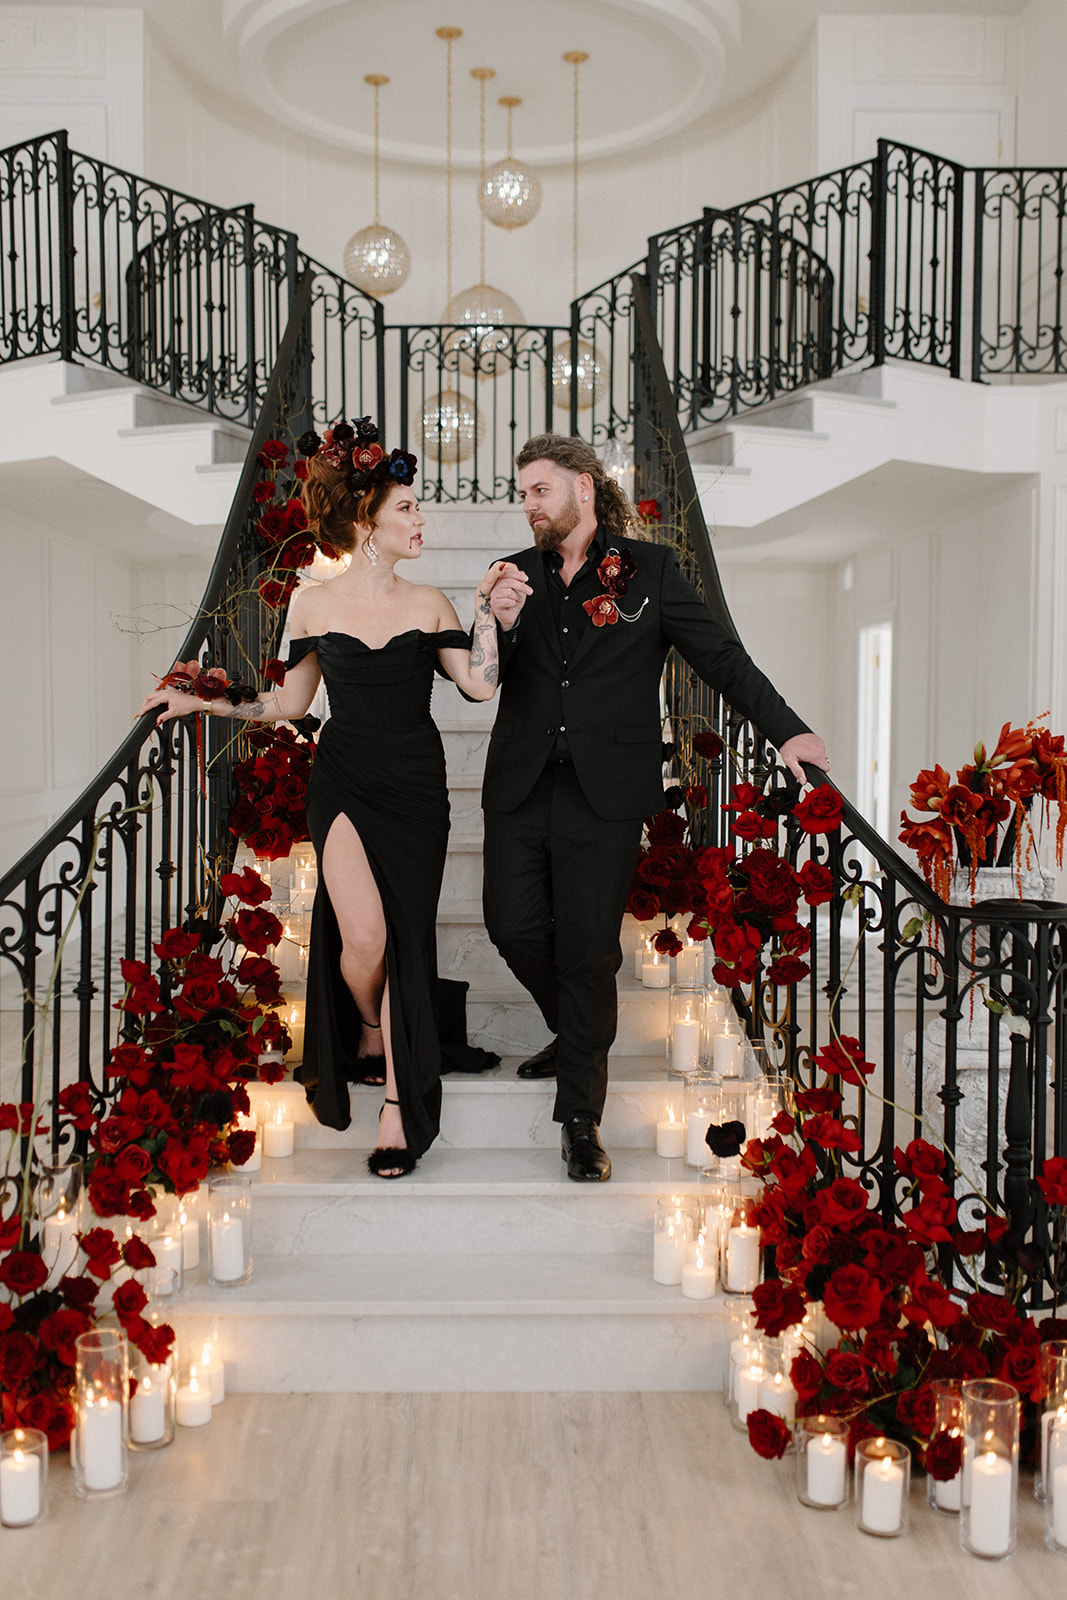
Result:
pixel 608 698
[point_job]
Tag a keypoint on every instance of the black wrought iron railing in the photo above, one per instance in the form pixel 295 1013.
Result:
pixel 731 311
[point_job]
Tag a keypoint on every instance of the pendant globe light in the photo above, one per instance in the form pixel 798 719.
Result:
pixel 485 314
pixel 376 259
pixel 510 192
pixel 576 364
pixel 451 425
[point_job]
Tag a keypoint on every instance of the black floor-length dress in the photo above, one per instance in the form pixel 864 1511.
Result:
pixel 381 763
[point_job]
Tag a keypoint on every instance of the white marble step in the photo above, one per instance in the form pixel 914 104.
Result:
pixel 502 1017
pixel 497 1109
pixel 460 1203
pixel 431 1320
pixel 465 745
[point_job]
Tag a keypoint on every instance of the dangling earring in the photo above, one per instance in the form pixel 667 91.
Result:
pixel 372 551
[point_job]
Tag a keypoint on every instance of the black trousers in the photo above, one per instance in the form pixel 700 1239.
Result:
pixel 557 878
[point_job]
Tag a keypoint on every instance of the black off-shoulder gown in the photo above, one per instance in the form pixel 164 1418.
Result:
pixel 381 763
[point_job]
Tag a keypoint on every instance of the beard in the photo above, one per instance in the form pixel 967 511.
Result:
pixel 551 534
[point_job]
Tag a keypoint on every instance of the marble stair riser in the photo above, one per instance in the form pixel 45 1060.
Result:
pixel 282 1350
pixel 463 874
pixel 465 808
pixel 465 748
pixel 448 706
pixel 464 951
pixel 581 1219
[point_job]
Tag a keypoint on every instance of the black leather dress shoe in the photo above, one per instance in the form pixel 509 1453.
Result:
pixel 587 1160
pixel 542 1065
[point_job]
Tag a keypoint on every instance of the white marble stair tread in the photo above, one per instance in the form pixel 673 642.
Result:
pixel 544 1285
pixel 445 1173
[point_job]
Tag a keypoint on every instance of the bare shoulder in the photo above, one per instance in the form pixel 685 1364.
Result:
pixel 432 605
pixel 304 611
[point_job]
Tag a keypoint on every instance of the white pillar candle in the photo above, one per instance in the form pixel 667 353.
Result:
pixel 189 1227
pixel 883 1496
pixel 778 1396
pixel 826 1461
pixel 148 1409
pixel 294 1021
pixel 697 1153
pixel 1058 1417
pixel 20 1488
pixel 990 1505
pixel 656 972
pixel 99 1429
pixel 169 1251
pixel 685 1044
pixel 1056 1486
pixel 727 1054
pixel 193 1405
pixel 749 1383
pixel 698 1277
pixel 742 1354
pixel 670 1135
pixel 59 1245
pixel 227 1248
pixel 947 1493
pixel 278 1135
pixel 642 952
pixel 690 963
pixel 742 1259
pixel 668 1255
pixel 213 1372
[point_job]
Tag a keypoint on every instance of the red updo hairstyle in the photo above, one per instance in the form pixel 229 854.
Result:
pixel 333 508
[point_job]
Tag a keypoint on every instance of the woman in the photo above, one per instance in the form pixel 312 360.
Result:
pixel 377 801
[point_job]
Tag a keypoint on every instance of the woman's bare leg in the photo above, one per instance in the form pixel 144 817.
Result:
pixel 357 905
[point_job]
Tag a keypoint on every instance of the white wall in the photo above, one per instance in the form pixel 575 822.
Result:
pixel 1042 103
pixel 74 67
pixel 785 616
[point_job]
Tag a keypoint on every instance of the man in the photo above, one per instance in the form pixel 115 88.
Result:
pixel 575 758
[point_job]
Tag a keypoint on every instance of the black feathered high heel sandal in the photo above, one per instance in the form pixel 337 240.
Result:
pixel 385 1157
pixel 369 1069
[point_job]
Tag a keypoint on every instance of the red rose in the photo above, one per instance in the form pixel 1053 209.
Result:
pixel 240 1147
pixel 256 930
pixel 777 1306
pixel 920 1160
pixel 142 992
pixel 820 810
pixel 832 1135
pixel 129 1299
pixel 154 1343
pixel 852 1298
pixel 59 1331
pixel 707 744
pixel 22 1272
pixel 262 492
pixel 807 1377
pixel 944 1455
pixel 100 1245
pixel 816 883
pixel 814 1102
pixel 916 1410
pixel 79 1292
pixel 649 510
pixel 137 1254
pixel 18 1356
pixel 246 886
pixel 696 796
pixel 842 1203
pixel 643 904
pixel 1053 1181
pixel 847 1370
pixel 786 970
pixel 931 1302
pixel 768 1435
pixel 75 1104
pixel 1020 1364
pixel 844 1057
pixel 667 943
pixel 930 1221
pixel 274 454
pixel 176 944
pixel 198 996
pixel 271 842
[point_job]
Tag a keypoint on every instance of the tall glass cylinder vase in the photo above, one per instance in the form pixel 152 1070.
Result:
pixel 742 1256
pixel 1056 1485
pixel 685 1030
pixel 701 1110
pixel 1054 1404
pixel 740 1342
pixel 943 1494
pixel 101 1396
pixel 229 1231
pixel 58 1206
pixel 990 1481
pixel 673 1231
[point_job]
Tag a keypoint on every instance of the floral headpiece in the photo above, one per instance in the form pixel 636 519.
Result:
pixel 353 448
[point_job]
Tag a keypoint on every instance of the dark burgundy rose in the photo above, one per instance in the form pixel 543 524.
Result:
pixel 778 1307
pixel 308 443
pixel 847 1370
pixel 344 433
pixel 707 744
pixel 944 1455
pixel 768 1435
pixel 852 1298
pixel 820 810
pixel 22 1272
pixel 725 1139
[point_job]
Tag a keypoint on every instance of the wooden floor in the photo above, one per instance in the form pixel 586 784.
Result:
pixel 486 1497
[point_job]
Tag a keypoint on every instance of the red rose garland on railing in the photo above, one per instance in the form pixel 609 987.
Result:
pixel 269 812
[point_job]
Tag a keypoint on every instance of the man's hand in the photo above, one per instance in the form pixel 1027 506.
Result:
pixel 509 596
pixel 804 747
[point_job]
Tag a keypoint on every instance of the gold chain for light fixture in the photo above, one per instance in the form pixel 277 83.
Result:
pixel 376 80
pixel 510 101
pixel 575 57
pixel 483 74
pixel 448 35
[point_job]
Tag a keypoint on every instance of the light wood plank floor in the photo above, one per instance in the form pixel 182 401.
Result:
pixel 486 1497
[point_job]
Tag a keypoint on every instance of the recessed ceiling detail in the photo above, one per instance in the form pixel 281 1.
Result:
pixel 654 67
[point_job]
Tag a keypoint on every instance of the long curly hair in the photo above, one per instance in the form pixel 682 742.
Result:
pixel 615 514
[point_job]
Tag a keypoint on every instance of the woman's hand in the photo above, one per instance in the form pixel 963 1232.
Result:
pixel 175 703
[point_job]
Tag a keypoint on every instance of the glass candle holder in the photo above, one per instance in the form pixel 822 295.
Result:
pixel 717 1009
pixel 192 1402
pixel 670 1130
pixel 990 1480
pixel 248 1122
pixel 726 1049
pixel 1056 1484
pixel 278 1134
pixel 229 1231
pixel 777 1394
pixel 187 1223
pixel 742 1254
pixel 23 1477
pixel 101 1395
pixel 642 951
pixel 701 1110
pixel 673 1231
pixel 822 1462
pixel 685 1030
pixel 943 1494
pixel 748 1378
pixel 1054 1371
pixel 700 1272
pixel 881 1485
pixel 740 1339
pixel 58 1207
pixel 656 972
pixel 735 1105
pixel 152 1405
pixel 164 1239
pixel 689 964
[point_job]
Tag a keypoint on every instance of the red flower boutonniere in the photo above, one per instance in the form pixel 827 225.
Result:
pixel 614 572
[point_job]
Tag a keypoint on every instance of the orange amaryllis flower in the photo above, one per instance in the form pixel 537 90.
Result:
pixel 930 788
